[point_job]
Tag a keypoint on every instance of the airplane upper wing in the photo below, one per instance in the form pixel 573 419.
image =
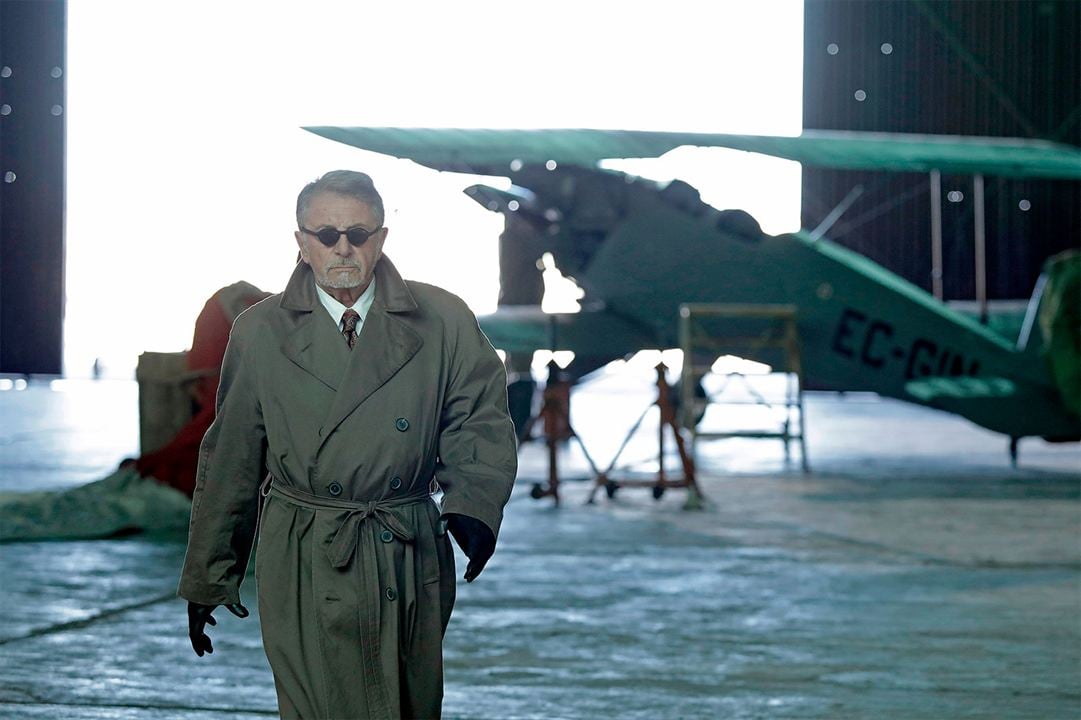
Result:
pixel 492 152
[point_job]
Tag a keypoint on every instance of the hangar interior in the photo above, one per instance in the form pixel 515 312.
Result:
pixel 821 542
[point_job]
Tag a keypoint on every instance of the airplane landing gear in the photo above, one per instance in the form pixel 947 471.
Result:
pixel 662 482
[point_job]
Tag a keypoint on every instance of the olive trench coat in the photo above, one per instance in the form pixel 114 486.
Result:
pixel 354 569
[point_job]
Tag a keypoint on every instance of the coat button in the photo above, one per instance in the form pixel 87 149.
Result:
pixel 335 488
pixel 395 483
pixel 386 536
pixel 402 424
pixel 391 595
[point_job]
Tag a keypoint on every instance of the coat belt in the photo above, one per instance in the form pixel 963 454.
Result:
pixel 387 513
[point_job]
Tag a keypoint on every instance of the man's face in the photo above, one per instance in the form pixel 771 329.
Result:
pixel 340 266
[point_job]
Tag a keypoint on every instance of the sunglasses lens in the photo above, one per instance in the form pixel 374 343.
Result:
pixel 328 236
pixel 357 236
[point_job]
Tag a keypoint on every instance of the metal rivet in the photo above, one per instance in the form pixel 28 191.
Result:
pixel 56 72
pixel 57 110
pixel 402 424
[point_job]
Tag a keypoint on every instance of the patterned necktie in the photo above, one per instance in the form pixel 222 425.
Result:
pixel 349 326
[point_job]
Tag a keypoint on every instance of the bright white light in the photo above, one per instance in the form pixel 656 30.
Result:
pixel 6 384
pixel 733 364
pixel 561 294
pixel 563 357
pixel 20 384
pixel 183 168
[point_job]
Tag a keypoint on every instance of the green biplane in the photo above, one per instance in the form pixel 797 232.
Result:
pixel 640 250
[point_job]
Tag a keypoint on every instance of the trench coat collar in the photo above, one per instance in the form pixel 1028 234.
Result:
pixel 384 345
pixel 390 289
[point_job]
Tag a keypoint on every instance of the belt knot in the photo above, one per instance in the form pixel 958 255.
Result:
pixel 344 543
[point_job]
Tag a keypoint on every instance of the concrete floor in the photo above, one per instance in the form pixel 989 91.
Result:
pixel 913 574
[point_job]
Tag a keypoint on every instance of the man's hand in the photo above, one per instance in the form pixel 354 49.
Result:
pixel 476 541
pixel 198 618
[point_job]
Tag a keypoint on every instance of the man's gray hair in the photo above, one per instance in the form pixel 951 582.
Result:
pixel 342 182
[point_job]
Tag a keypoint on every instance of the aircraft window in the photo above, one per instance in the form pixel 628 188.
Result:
pixel 886 48
pixel 1024 205
pixel 860 95
pixel 832 49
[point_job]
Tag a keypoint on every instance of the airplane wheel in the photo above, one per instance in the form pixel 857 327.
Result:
pixel 520 403
pixel 676 398
pixel 537 492
pixel 658 492
pixel 610 489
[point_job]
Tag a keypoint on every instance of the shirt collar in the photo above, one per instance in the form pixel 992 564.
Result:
pixel 336 309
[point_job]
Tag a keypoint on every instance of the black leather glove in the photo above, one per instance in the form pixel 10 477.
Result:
pixel 198 618
pixel 475 539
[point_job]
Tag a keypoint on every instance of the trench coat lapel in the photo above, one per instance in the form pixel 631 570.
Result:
pixel 384 345
pixel 314 343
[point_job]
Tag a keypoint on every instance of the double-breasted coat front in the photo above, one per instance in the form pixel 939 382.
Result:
pixel 354 570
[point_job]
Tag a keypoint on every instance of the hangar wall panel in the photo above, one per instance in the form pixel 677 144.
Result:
pixel 995 68
pixel 32 112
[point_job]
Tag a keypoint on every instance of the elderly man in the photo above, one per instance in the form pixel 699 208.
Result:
pixel 355 389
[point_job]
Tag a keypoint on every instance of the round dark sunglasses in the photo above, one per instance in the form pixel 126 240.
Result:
pixel 356 236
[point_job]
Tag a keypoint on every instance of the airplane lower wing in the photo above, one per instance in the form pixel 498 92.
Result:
pixel 590 332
